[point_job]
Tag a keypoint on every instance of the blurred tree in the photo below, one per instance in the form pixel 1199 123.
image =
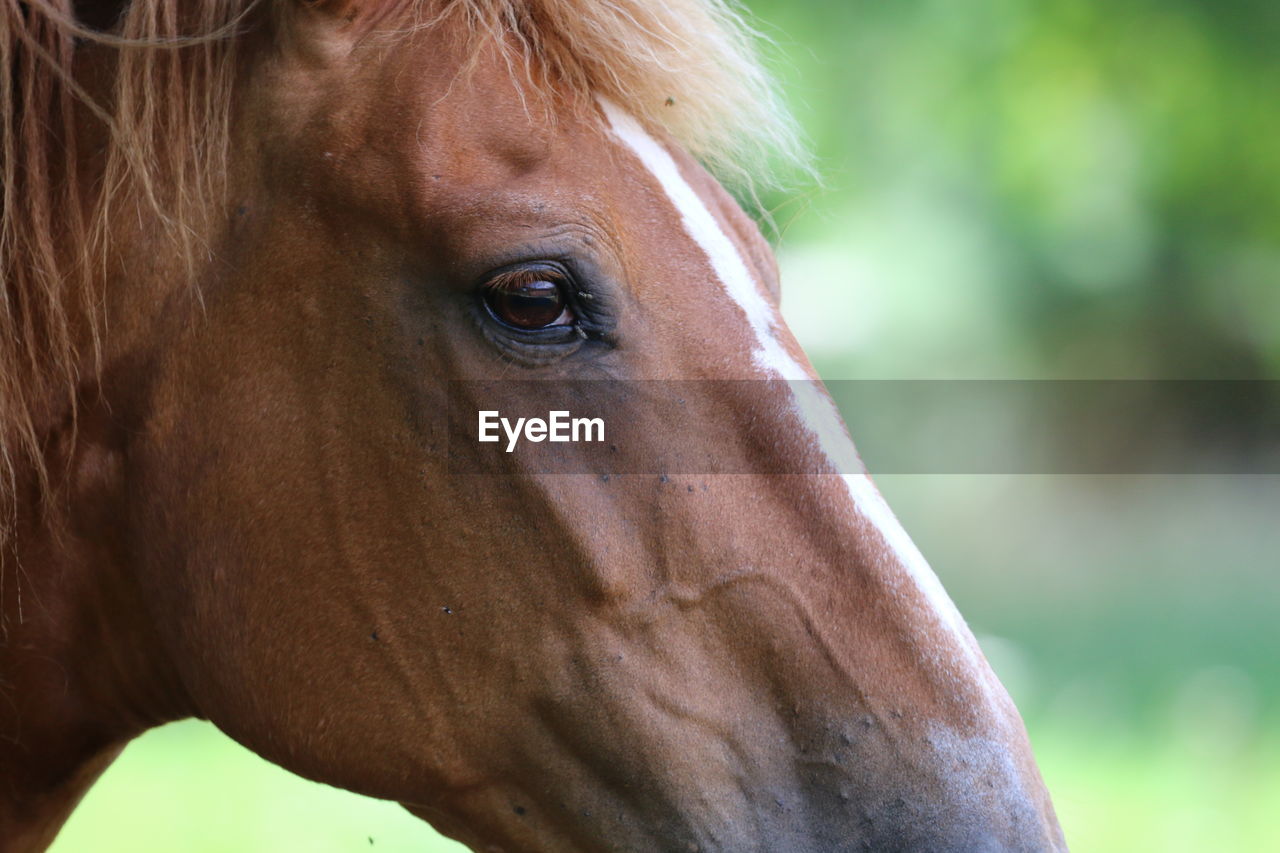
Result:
pixel 1109 172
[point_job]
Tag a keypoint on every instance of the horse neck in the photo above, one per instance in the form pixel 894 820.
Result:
pixel 80 669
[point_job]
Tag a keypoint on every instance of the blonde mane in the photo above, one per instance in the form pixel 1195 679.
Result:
pixel 688 68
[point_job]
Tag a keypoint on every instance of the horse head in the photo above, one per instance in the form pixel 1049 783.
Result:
pixel 300 229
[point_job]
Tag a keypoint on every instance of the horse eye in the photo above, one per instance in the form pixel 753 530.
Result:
pixel 528 300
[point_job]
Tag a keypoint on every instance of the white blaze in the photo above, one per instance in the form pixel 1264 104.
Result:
pixel 813 406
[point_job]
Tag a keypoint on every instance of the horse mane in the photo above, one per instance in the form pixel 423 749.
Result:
pixel 688 68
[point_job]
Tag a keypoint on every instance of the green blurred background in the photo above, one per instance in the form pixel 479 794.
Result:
pixel 1011 189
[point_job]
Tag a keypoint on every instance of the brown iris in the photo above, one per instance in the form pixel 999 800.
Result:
pixel 528 299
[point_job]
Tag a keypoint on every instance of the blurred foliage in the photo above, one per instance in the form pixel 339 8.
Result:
pixel 1082 189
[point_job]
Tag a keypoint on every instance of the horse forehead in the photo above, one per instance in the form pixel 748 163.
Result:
pixel 741 236
pixel 478 110
pixel 475 123
pixel 488 128
pixel 419 94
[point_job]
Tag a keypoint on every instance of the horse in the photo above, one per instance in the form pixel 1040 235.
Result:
pixel 248 245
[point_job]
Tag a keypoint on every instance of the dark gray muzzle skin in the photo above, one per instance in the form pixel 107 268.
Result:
pixel 833 816
pixel 831 796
